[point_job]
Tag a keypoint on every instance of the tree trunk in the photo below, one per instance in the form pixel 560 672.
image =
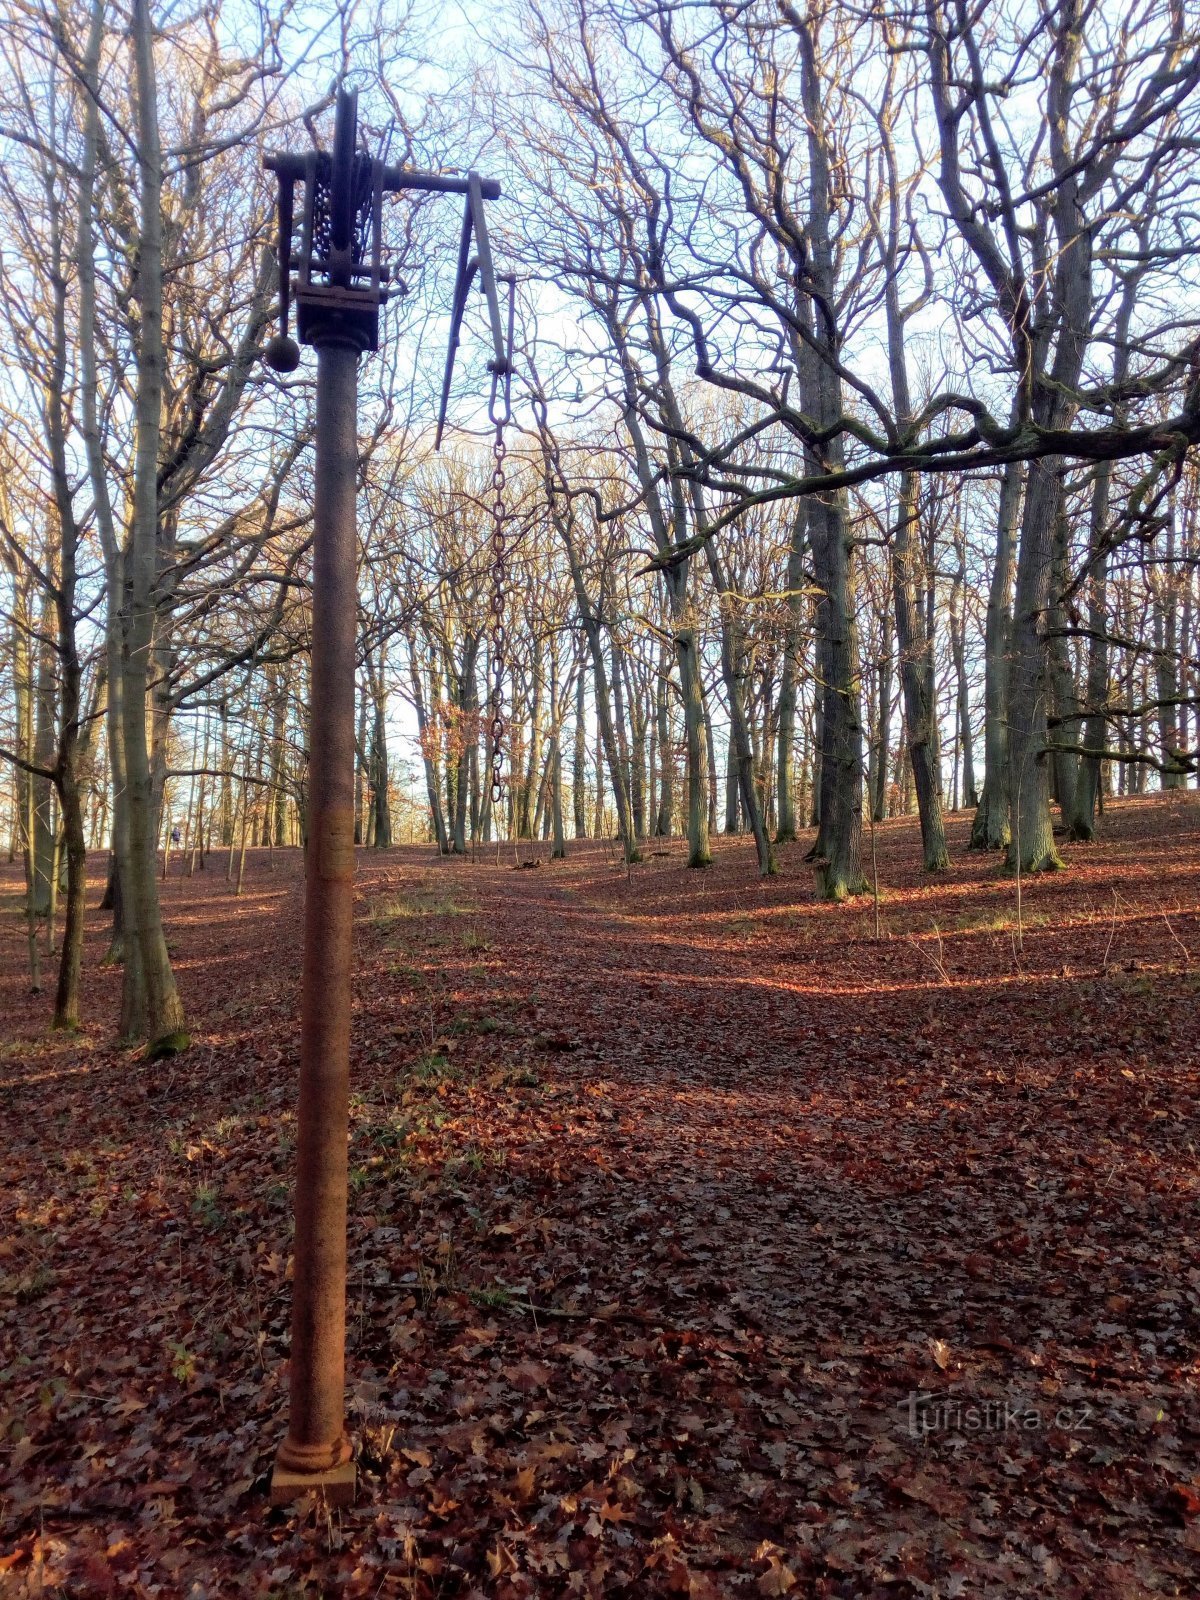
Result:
pixel 123 948
pixel 1081 820
pixel 840 834
pixel 528 799
pixel 958 646
pixel 66 1000
pixel 878 768
pixel 559 850
pixel 990 828
pixel 733 797
pixel 741 745
pixel 579 773
pixel 840 837
pixel 697 738
pixel 619 776
pixel 916 677
pixel 382 839
pixel 1031 846
pixel 225 812
pixel 23 690
pixel 43 756
pixel 598 828
pixel 665 818
pixel 468 705
pixel 785 776
pixel 608 738
pixel 1064 699
pixel 710 747
pixel 425 734
pixel 277 810
pixel 360 770
pixel 1165 600
pixel 151 1010
pixel 637 750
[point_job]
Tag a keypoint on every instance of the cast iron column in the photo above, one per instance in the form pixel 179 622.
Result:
pixel 316 1449
pixel 342 283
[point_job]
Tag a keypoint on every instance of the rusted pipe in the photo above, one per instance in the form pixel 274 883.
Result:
pixel 316 1439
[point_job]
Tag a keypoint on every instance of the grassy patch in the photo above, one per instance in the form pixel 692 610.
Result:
pixel 468 1163
pixel 464 1023
pixel 405 907
pixel 206 1204
pixel 387 1135
pixel 999 921
pixel 415 977
pixel 181 1360
pixel 430 1070
pixel 1138 985
pixel 494 1299
pixel 425 1122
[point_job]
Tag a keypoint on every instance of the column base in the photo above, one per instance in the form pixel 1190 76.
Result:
pixel 336 1483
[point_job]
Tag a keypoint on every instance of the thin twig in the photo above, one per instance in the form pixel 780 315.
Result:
pixel 933 960
pixel 1187 959
pixel 1112 931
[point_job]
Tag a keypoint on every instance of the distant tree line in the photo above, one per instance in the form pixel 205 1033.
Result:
pixel 854 467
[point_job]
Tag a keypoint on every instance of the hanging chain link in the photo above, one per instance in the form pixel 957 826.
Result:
pixel 499 411
pixel 499 637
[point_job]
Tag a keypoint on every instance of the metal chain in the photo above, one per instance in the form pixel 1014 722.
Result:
pixel 499 412
pixel 499 637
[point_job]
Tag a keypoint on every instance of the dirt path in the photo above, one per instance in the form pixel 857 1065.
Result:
pixel 672 1193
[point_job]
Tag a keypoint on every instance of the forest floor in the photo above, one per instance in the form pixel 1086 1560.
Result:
pixel 702 1242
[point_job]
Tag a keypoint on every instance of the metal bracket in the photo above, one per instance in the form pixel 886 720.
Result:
pixel 341 281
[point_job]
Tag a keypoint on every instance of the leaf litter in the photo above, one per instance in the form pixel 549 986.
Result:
pixel 701 1243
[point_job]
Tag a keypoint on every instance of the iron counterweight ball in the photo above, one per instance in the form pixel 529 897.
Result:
pixel 282 353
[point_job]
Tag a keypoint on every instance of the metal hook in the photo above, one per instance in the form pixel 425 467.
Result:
pixel 475 227
pixel 501 418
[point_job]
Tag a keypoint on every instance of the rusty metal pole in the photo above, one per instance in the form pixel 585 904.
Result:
pixel 316 1452
pixel 342 283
